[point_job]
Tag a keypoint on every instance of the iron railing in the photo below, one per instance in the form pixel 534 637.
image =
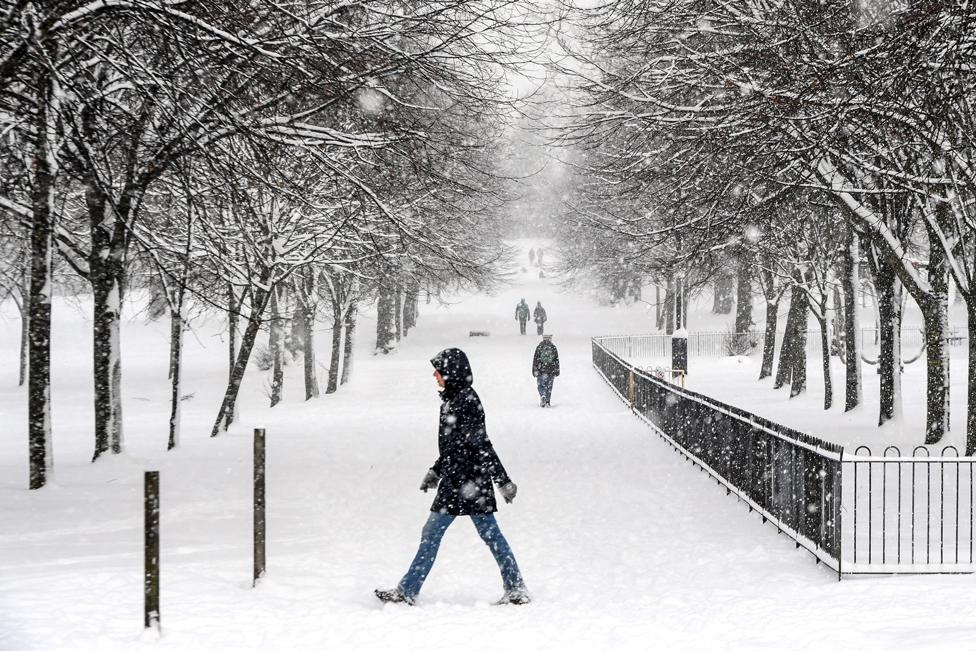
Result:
pixel 909 514
pixel 792 479
pixel 900 514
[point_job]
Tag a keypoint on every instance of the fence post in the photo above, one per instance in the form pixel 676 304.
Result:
pixel 630 387
pixel 259 519
pixel 679 351
pixel 151 544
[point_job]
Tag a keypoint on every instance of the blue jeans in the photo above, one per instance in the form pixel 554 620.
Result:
pixel 430 542
pixel 544 383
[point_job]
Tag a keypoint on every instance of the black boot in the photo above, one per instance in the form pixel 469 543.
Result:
pixel 393 596
pixel 514 597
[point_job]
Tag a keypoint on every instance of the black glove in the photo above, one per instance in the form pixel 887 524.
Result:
pixel 430 480
pixel 508 490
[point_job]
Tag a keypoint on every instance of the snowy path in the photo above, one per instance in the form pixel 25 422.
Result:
pixel 623 544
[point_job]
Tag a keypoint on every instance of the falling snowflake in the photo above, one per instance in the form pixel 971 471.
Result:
pixel 371 101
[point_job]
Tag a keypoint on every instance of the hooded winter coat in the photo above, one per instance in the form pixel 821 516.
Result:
pixel 545 361
pixel 539 314
pixel 468 463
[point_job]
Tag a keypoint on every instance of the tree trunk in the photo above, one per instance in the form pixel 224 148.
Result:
pixel 825 356
pixel 177 328
pixel 769 340
pixel 722 295
pixel 794 341
pixel 311 374
pixel 398 310
pixel 233 316
pixel 385 335
pixel 971 377
pixel 39 295
pixel 743 298
pixel 838 344
pixel 769 334
pixel 936 316
pixel 852 329
pixel 657 307
pixel 336 358
pixel 798 352
pixel 411 307
pixel 350 322
pixel 685 300
pixel 784 371
pixel 889 355
pixel 679 303
pixel 276 344
pixel 669 302
pixel 177 325
pixel 258 306
pixel 106 285
pixel 23 308
pixel 937 374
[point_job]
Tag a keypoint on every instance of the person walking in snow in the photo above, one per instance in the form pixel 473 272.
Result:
pixel 545 368
pixel 531 257
pixel 538 256
pixel 539 316
pixel 522 315
pixel 462 475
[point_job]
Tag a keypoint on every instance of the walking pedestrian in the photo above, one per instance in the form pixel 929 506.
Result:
pixel 539 316
pixel 545 368
pixel 462 475
pixel 538 256
pixel 522 315
pixel 531 257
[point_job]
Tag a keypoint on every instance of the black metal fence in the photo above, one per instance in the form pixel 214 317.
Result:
pixel 909 514
pixel 792 479
pixel 899 514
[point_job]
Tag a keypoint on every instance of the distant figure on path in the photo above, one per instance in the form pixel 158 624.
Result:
pixel 538 256
pixel 522 315
pixel 462 476
pixel 539 316
pixel 545 368
pixel 531 257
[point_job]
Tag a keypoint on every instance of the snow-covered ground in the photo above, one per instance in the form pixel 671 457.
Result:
pixel 623 544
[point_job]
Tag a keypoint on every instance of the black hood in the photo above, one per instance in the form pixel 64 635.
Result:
pixel 454 367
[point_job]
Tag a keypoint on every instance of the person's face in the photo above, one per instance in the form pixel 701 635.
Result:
pixel 439 378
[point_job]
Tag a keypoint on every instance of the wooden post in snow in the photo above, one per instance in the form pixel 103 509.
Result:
pixel 259 519
pixel 151 566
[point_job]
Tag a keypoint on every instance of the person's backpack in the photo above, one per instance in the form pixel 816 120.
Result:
pixel 547 356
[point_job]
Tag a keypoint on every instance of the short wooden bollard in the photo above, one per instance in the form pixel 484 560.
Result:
pixel 259 519
pixel 151 566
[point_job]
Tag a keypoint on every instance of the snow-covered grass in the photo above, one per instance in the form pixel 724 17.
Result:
pixel 623 544
pixel 733 380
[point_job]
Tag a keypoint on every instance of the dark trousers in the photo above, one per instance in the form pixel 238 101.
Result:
pixel 522 326
pixel 539 326
pixel 544 384
pixel 430 541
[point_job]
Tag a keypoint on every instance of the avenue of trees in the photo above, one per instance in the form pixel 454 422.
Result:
pixel 270 164
pixel 795 149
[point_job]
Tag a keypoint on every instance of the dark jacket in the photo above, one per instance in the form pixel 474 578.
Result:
pixel 546 359
pixel 522 311
pixel 539 314
pixel 467 463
